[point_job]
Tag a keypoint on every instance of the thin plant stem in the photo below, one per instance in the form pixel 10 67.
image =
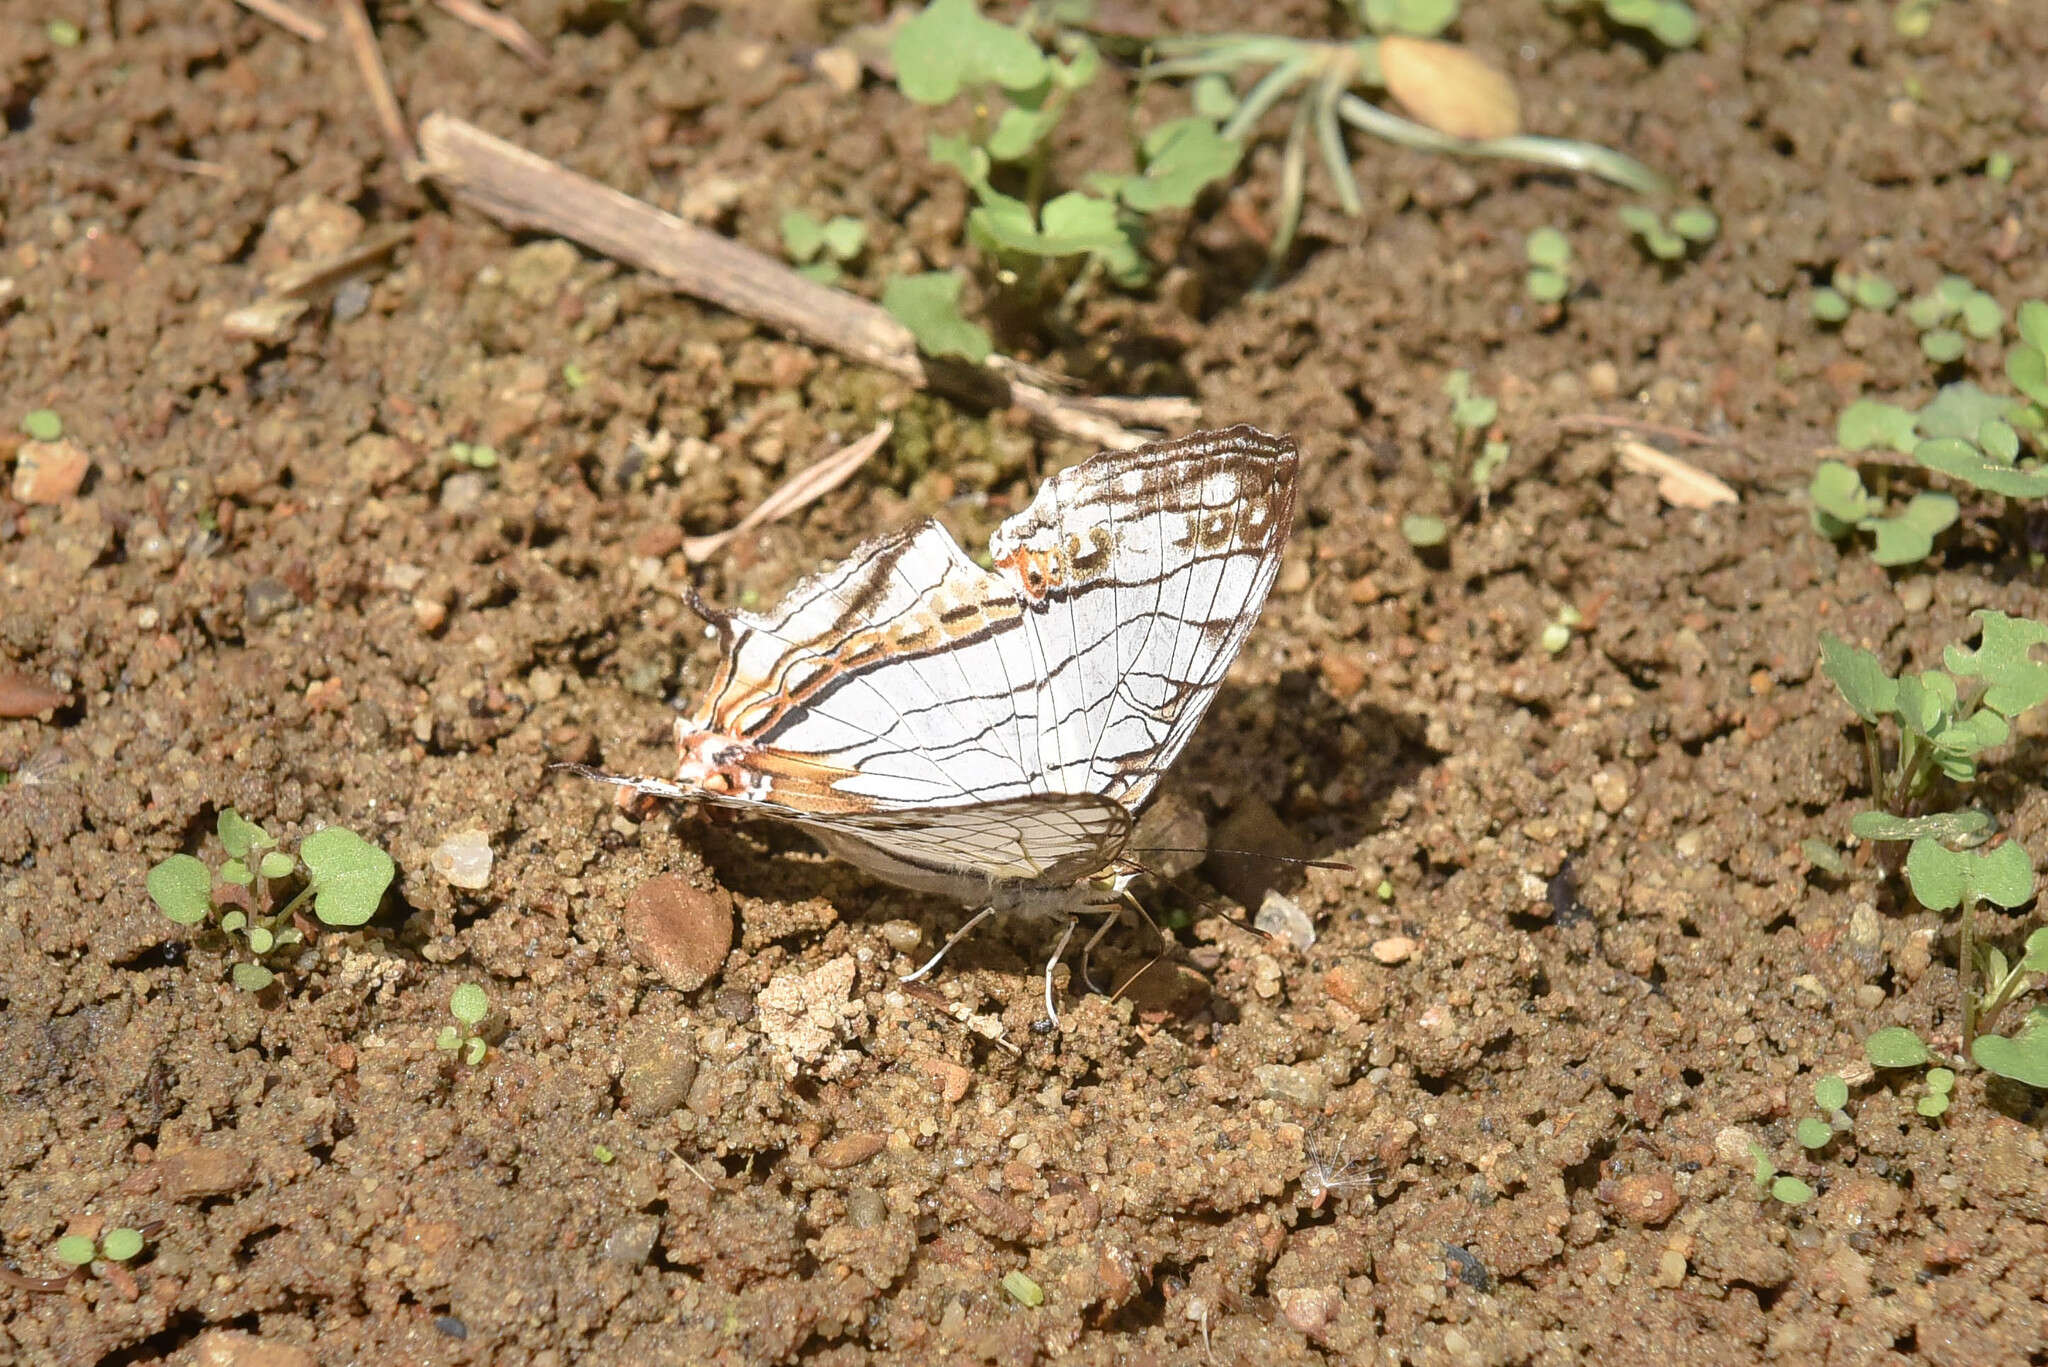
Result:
pixel 1293 171
pixel 1966 969
pixel 1330 139
pixel 1262 97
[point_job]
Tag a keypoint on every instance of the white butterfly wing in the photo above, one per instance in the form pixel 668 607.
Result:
pixel 1141 573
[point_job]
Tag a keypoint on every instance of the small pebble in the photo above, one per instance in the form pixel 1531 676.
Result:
pixel 840 68
pixel 655 1075
pixel 1647 1198
pixel 632 1242
pixel 1282 918
pixel 849 1150
pixel 49 471
pixel 902 936
pixel 266 598
pixel 1395 949
pixel 1610 790
pixel 866 1208
pixel 430 612
pixel 463 493
pixel 351 299
pixel 682 933
pixel 464 859
pixel 1284 1082
pixel 22 695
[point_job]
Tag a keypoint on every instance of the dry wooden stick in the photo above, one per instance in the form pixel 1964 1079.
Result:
pixel 503 27
pixel 288 18
pixel 810 483
pixel 522 190
pixel 362 41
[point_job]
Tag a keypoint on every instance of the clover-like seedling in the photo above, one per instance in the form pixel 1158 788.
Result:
pixel 1871 292
pixel 1895 1046
pixel 343 875
pixel 1781 1187
pixel 115 1246
pixel 469 1004
pixel 2023 1055
pixel 1557 633
pixel 1423 531
pixel 1690 227
pixel 1831 1095
pixel 475 455
pixel 42 424
pixel 821 249
pixel 1550 266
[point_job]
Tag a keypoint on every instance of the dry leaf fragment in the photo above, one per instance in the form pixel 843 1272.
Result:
pixel 1678 483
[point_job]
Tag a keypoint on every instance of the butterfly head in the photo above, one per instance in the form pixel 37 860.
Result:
pixel 710 762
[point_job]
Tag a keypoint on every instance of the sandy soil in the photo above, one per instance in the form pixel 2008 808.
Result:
pixel 1484 1119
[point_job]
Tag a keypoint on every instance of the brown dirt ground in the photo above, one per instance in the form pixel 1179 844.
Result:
pixel 274 592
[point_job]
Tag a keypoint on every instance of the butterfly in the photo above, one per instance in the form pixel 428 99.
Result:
pixel 988 735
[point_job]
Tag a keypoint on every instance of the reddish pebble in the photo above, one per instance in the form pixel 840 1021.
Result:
pixel 22 696
pixel 682 933
pixel 850 1150
pixel 1647 1198
pixel 49 471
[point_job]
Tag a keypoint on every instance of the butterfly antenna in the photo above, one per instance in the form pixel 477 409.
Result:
pixel 1249 854
pixel 719 618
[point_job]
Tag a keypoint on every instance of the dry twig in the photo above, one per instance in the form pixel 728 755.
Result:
pixel 1679 483
pixel 503 27
pixel 362 42
pixel 811 482
pixel 289 18
pixel 522 190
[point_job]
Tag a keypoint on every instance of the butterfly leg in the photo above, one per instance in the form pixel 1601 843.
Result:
pixel 1066 935
pixel 1124 902
pixel 955 938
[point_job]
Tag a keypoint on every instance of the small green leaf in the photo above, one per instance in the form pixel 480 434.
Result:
pixel 574 376
pixel 239 836
pixel 1018 130
pixel 1895 1047
pixel 1694 223
pixel 2035 960
pixel 1955 290
pixel 1475 411
pixel 1960 410
pixel 449 1038
pixel 1840 502
pixel 1828 305
pixel 474 1050
pixel 1876 293
pixel 1942 878
pixel 929 305
pixel 1909 537
pixel 233 922
pixel 1023 1290
pixel 601 1153
pixel 1213 97
pixel 1422 531
pixel 1941 1079
pixel 1457 384
pixel 182 889
pixel 1998 167
pixel 1929 310
pixel 1831 1093
pixel 1083 64
pixel 290 935
pixel 75 1250
pixel 1937 875
pixel 2023 1057
pixel 1998 440
pixel 844 236
pixel 951 45
pixel 1866 424
pixel 1956 457
pixel 1556 636
pixel 64 33
pixel 2004 660
pixel 1546 286
pixel 1982 318
pixel 252 977
pixel 469 1004
pixel 2027 368
pixel 820 272
pixel 1958 827
pixel 119 1245
pixel 349 875
pixel 1182 158
pixel 956 151
pixel 803 236
pixel 276 864
pixel 1674 24
pixel 2033 324
pixel 43 424
pixel 1548 247
pixel 1814 1133
pixel 236 872
pixel 1860 678
pixel 1791 1191
pixel 260 940
pixel 1943 345
pixel 1934 1105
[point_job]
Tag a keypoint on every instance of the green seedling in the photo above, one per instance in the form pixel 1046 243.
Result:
pixel 1550 266
pixel 1671 22
pixel 2023 1055
pixel 64 33
pixel 1672 240
pixel 115 1246
pixel 1951 310
pixel 343 875
pixel 1872 293
pixel 1481 456
pixel 1895 1046
pixel 1557 633
pixel 42 424
pixel 1785 1189
pixel 821 249
pixel 476 457
pixel 1998 167
pixel 1329 75
pixel 1831 1095
pixel 1914 18
pixel 574 376
pixel 469 1004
